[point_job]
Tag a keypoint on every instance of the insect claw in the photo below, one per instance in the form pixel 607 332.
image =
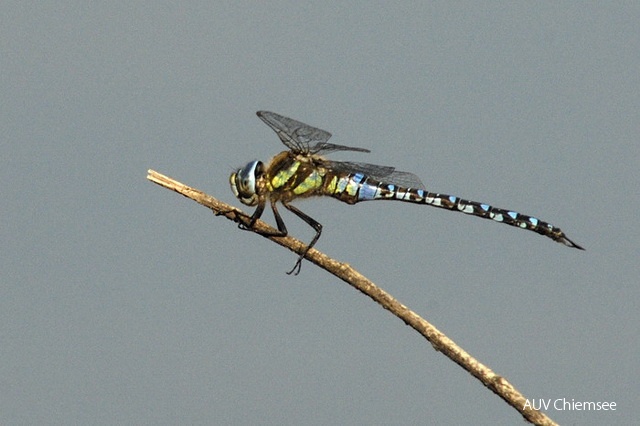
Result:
pixel 297 266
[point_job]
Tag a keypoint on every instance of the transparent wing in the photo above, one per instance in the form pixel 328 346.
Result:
pixel 299 137
pixel 323 147
pixel 405 179
pixel 295 135
pixel 386 174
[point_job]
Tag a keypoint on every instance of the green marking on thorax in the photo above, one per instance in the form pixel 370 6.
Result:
pixel 283 176
pixel 313 181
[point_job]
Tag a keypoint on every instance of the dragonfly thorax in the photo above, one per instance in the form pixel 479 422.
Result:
pixel 243 182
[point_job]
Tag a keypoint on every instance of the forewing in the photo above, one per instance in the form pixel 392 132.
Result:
pixel 295 135
pixel 323 148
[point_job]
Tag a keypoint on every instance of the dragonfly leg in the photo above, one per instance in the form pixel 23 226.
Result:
pixel 282 229
pixel 242 224
pixel 311 222
pixel 237 217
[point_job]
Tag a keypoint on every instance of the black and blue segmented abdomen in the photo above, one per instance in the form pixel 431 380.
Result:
pixel 356 187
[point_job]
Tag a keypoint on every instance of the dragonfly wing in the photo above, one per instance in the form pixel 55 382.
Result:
pixel 372 170
pixel 295 135
pixel 404 179
pixel 385 174
pixel 323 147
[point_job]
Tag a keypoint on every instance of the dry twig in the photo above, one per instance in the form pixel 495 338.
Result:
pixel 498 384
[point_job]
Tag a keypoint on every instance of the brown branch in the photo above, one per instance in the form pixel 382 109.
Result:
pixel 498 384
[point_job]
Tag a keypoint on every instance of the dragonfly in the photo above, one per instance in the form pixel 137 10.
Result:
pixel 302 171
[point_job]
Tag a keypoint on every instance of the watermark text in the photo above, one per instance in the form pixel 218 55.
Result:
pixel 565 404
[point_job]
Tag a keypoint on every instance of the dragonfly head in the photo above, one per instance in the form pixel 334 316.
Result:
pixel 243 182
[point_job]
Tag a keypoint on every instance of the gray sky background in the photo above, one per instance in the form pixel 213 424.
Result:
pixel 122 302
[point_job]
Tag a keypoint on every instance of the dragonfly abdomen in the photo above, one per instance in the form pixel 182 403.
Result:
pixel 358 187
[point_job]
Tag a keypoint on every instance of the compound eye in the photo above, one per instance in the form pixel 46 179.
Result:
pixel 243 182
pixel 247 184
